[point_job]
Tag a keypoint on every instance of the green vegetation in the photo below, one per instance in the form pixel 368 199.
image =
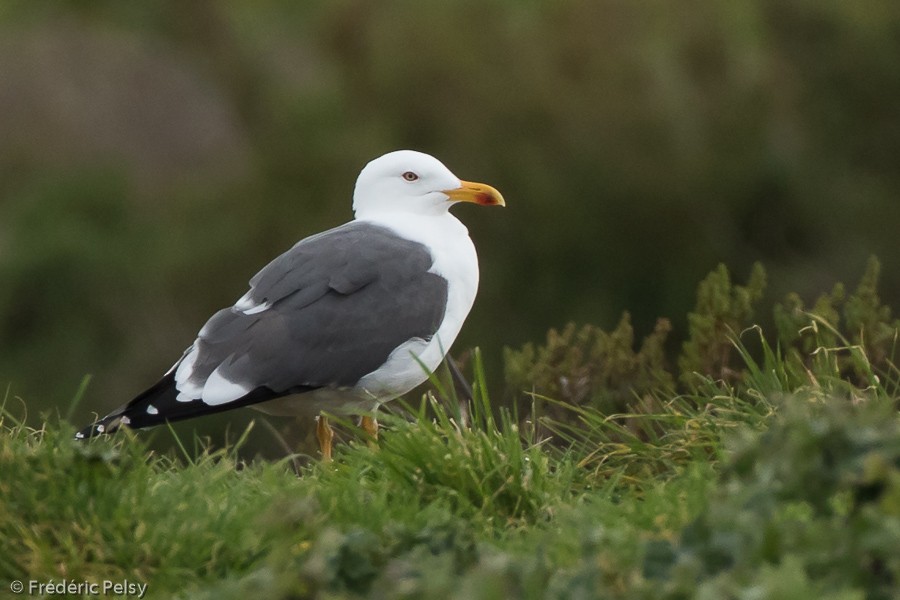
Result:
pixel 154 155
pixel 843 342
pixel 770 469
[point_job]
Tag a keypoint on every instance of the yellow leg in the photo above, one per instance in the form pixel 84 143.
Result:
pixel 370 426
pixel 325 435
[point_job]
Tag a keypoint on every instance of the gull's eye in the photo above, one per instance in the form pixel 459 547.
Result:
pixel 410 176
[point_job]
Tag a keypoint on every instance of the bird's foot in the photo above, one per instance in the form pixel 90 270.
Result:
pixel 370 426
pixel 325 435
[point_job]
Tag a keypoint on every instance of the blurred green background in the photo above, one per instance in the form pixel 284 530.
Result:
pixel 155 154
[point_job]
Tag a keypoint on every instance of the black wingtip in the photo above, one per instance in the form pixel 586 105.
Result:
pixel 162 398
pixel 133 410
pixel 104 426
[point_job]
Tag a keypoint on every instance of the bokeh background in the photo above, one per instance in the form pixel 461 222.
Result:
pixel 155 154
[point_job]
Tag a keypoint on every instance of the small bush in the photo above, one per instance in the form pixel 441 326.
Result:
pixel 588 366
pixel 848 337
pixel 815 500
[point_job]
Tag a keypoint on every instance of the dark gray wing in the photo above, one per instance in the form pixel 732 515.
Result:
pixel 325 313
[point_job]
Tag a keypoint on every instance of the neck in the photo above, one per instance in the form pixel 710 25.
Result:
pixel 379 214
pixel 442 221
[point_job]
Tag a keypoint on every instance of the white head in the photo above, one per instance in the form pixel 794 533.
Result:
pixel 413 182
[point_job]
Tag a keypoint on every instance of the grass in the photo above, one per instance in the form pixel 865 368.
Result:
pixel 725 499
pixel 779 479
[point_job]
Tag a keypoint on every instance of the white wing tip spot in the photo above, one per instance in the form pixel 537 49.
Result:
pixel 152 410
pixel 220 390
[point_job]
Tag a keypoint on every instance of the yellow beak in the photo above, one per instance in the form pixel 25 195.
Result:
pixel 479 193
